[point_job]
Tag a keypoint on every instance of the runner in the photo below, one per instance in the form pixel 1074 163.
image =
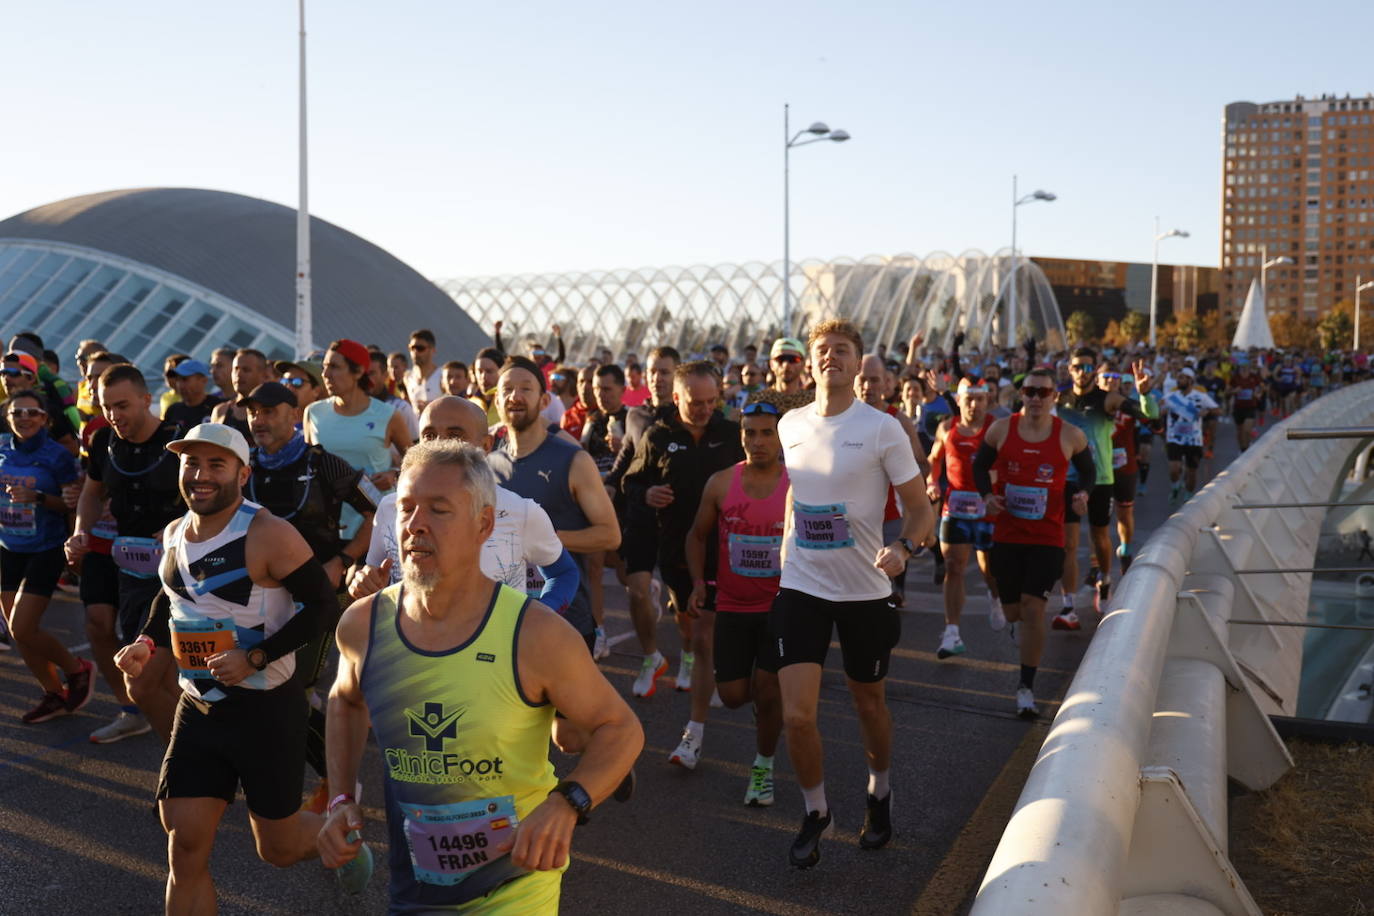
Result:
pixel 788 358
pixel 1030 452
pixel 130 466
pixel 21 373
pixel 240 594
pixel 601 437
pixel 250 371
pixel 964 523
pixel 1125 462
pixel 673 461
pixel 742 511
pixel 1186 406
pixel 194 401
pixel 33 525
pixel 423 379
pixel 459 677
pixel 486 368
pixel 1246 384
pixel 304 378
pixel 841 457
pixel 222 371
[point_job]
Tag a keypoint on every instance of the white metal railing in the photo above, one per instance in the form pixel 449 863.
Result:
pixel 1125 808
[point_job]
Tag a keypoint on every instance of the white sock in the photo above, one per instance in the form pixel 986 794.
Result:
pixel 815 800
pixel 696 728
pixel 952 628
pixel 1068 600
pixel 877 783
pixel 762 761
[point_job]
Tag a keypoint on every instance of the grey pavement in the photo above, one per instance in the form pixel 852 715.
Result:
pixel 78 828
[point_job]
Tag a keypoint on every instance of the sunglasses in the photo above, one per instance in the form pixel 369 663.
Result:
pixel 1082 367
pixel 1035 391
pixel 760 407
pixel 13 372
pixel 1109 376
pixel 27 413
pixel 787 358
pixel 294 382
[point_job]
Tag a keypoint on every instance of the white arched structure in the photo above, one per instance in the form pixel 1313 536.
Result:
pixel 692 308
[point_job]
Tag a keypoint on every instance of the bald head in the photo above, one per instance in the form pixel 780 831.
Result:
pixel 871 385
pixel 452 417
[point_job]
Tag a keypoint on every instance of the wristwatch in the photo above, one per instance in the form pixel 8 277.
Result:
pixel 257 658
pixel 577 797
pixel 910 547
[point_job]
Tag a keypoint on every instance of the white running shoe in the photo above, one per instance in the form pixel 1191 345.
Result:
pixel 688 750
pixel 600 649
pixel 684 671
pixel 124 725
pixel 1025 703
pixel 950 644
pixel 716 702
pixel 653 668
pixel 760 791
pixel 1067 620
pixel 996 618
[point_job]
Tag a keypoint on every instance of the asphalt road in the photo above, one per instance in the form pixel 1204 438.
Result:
pixel 78 829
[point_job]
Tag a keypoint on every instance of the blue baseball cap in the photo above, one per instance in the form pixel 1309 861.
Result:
pixel 189 367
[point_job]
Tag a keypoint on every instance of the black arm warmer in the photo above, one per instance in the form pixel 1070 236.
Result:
pixel 158 627
pixel 1087 471
pixel 1131 408
pixel 311 588
pixel 982 468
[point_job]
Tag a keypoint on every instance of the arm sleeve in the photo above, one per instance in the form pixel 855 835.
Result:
pixel 982 468
pixel 319 611
pixel 1083 464
pixel 561 578
pixel 158 627
pixel 1133 408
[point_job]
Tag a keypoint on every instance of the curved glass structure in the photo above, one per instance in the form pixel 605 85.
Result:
pixel 693 307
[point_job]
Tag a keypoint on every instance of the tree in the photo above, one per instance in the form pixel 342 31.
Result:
pixel 1112 336
pixel 1081 327
pixel 1336 330
pixel 1291 331
pixel 1188 333
pixel 1215 331
pixel 1135 326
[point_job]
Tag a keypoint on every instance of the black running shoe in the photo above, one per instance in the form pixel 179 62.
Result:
pixel 877 823
pixel 626 790
pixel 1093 575
pixel 939 573
pixel 806 848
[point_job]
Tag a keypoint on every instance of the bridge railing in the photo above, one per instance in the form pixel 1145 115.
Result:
pixel 1125 810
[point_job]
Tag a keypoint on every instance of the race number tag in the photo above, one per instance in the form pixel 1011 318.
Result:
pixel 1026 502
pixel 1118 458
pixel 448 842
pixel 1245 394
pixel 821 527
pixel 18 518
pixel 964 504
pixel 137 556
pixel 755 556
pixel 194 641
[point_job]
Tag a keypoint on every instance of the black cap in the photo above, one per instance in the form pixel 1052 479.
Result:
pixel 269 394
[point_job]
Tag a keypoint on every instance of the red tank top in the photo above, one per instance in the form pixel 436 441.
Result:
pixel 1124 447
pixel 962 500
pixel 890 511
pixel 750 544
pixel 1247 385
pixel 1030 480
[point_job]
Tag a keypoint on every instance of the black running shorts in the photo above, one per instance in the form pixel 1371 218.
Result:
pixel 135 599
pixel 99 579
pixel 36 573
pixel 1100 505
pixel 1026 569
pixel 801 626
pixel 255 740
pixel 1124 487
pixel 742 642
pixel 640 552
pixel 1190 455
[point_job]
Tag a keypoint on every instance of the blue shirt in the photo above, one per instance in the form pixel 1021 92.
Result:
pixel 45 466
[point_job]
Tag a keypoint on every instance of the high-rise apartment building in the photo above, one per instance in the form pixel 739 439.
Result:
pixel 1297 183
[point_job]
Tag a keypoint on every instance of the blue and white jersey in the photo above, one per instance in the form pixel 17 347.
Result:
pixel 1185 409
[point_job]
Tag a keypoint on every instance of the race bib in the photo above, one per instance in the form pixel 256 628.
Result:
pixel 449 842
pixel 18 518
pixel 755 556
pixel 964 504
pixel 1245 394
pixel 138 557
pixel 1026 502
pixel 1119 458
pixel 194 641
pixel 821 527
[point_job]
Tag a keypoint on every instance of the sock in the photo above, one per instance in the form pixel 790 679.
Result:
pixel 762 761
pixel 815 800
pixel 1068 600
pixel 696 729
pixel 952 628
pixel 877 783
pixel 1028 676
pixel 1123 549
pixel 130 709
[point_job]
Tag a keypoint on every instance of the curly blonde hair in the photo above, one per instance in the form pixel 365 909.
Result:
pixel 842 326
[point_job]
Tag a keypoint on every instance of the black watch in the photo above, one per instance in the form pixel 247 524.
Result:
pixel 577 797
pixel 257 658
pixel 910 548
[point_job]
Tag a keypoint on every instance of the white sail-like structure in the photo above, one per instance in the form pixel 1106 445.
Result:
pixel 1253 330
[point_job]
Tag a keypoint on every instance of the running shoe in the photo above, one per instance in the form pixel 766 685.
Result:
pixel 318 803
pixel 50 707
pixel 600 649
pixel 80 686
pixel 760 791
pixel 653 668
pixel 1067 620
pixel 688 750
pixel 806 848
pixel 1093 575
pixel 1025 703
pixel 877 823
pixel 1103 590
pixel 626 790
pixel 950 644
pixel 716 701
pixel 124 725
pixel 69 582
pixel 997 619
pixel 1126 563
pixel 354 875
pixel 939 576
pixel 1140 490
pixel 684 671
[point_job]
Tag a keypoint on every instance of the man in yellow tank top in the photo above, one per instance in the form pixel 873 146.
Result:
pixel 459 677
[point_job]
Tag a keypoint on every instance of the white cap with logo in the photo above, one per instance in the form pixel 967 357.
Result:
pixel 217 434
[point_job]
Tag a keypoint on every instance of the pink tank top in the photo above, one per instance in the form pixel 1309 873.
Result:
pixel 750 545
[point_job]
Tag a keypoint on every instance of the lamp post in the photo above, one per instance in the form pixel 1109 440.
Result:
pixel 1154 273
pixel 1359 287
pixel 1265 264
pixel 1016 202
pixel 818 131
pixel 303 313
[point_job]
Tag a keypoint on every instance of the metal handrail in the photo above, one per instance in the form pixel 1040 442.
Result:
pixel 1065 848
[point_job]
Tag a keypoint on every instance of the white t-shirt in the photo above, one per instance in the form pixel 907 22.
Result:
pixel 840 468
pixel 408 414
pixel 523 536
pixel 421 391
pixel 1185 408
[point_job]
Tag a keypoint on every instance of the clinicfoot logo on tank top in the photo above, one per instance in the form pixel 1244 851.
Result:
pixel 434 764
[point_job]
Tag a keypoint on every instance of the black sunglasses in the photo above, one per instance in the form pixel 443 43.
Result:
pixel 1034 391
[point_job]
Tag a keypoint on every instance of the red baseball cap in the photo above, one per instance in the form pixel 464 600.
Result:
pixel 24 359
pixel 353 351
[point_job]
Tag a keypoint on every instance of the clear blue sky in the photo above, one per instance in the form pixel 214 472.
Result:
pixel 487 138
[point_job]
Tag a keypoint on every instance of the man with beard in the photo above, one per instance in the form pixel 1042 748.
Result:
pixel 788 357
pixel 250 371
pixel 241 593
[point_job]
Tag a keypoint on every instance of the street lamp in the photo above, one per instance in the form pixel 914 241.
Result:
pixel 1265 264
pixel 1154 273
pixel 1015 203
pixel 1359 287
pixel 818 131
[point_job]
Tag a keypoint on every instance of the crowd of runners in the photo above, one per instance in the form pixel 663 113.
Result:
pixel 436 536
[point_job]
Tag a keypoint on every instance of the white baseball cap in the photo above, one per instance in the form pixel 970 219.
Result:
pixel 225 437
